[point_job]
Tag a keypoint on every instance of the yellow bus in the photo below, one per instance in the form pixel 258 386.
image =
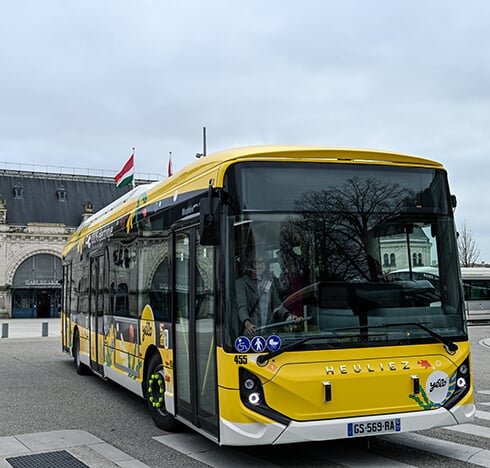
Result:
pixel 251 296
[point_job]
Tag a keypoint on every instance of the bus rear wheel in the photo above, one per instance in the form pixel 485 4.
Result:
pixel 155 395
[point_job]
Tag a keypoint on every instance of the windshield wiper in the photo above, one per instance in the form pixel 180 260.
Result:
pixel 450 346
pixel 265 357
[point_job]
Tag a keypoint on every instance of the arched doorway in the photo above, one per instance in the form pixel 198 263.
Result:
pixel 36 287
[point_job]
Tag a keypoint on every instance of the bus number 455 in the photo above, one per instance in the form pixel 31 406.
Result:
pixel 241 359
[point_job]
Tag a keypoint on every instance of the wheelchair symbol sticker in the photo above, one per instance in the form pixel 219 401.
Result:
pixel 242 344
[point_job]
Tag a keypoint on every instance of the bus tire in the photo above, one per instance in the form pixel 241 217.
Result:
pixel 155 398
pixel 81 368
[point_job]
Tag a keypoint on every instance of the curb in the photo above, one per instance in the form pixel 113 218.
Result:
pixel 81 446
pixel 485 342
pixel 30 328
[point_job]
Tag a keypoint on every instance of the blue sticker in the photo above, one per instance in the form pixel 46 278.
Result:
pixel 258 344
pixel 242 344
pixel 274 343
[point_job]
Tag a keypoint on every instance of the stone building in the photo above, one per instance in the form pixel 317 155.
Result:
pixel 394 251
pixel 38 211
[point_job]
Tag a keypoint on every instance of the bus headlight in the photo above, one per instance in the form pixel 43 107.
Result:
pixel 462 381
pixel 462 375
pixel 252 396
pixel 251 391
pixel 249 384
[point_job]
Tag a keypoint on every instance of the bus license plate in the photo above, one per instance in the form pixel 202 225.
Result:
pixel 373 427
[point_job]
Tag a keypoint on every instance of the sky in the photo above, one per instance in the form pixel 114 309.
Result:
pixel 83 82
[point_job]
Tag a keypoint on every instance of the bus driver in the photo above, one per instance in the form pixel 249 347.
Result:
pixel 258 298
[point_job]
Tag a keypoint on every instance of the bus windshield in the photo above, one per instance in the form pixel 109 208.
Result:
pixel 315 250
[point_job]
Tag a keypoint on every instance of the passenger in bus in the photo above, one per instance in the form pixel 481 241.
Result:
pixel 258 297
pixel 290 281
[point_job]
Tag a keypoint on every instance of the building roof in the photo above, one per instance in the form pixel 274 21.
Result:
pixel 36 197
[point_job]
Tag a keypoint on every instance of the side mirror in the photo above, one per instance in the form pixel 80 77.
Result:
pixel 210 220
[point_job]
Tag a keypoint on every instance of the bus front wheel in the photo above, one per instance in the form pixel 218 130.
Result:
pixel 155 395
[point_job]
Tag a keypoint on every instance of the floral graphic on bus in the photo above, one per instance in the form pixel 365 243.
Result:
pixel 110 340
pixel 134 364
pixel 134 216
pixel 440 389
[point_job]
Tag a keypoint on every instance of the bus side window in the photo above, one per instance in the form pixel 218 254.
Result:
pixel 160 293
pixel 122 300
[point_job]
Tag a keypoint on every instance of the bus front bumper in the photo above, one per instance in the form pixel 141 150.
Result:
pixel 315 431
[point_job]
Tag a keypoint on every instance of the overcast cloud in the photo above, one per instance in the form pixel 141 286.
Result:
pixel 82 82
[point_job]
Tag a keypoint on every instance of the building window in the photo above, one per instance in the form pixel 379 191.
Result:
pixel 385 260
pixel 18 192
pixel 392 259
pixel 61 193
pixel 417 259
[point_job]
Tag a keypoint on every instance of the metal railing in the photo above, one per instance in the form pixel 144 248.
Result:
pixel 71 171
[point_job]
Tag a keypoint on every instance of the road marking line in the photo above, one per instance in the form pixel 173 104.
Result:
pixel 483 415
pixel 485 343
pixel 352 458
pixel 472 429
pixel 466 453
pixel 199 448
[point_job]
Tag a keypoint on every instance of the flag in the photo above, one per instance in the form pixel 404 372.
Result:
pixel 169 171
pixel 126 175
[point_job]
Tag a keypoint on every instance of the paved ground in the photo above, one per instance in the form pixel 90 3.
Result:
pixel 43 449
pixel 81 447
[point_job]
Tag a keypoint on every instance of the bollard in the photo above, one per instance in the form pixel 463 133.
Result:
pixel 5 330
pixel 45 329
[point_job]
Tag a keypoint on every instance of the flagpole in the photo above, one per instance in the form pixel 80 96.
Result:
pixel 134 172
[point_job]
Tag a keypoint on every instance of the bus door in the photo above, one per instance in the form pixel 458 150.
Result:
pixel 66 307
pixel 194 319
pixel 96 311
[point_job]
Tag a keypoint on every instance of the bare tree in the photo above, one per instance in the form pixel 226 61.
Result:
pixel 469 253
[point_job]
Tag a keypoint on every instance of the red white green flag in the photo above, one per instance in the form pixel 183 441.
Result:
pixel 170 171
pixel 126 175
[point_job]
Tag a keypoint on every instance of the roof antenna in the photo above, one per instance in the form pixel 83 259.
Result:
pixel 203 154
